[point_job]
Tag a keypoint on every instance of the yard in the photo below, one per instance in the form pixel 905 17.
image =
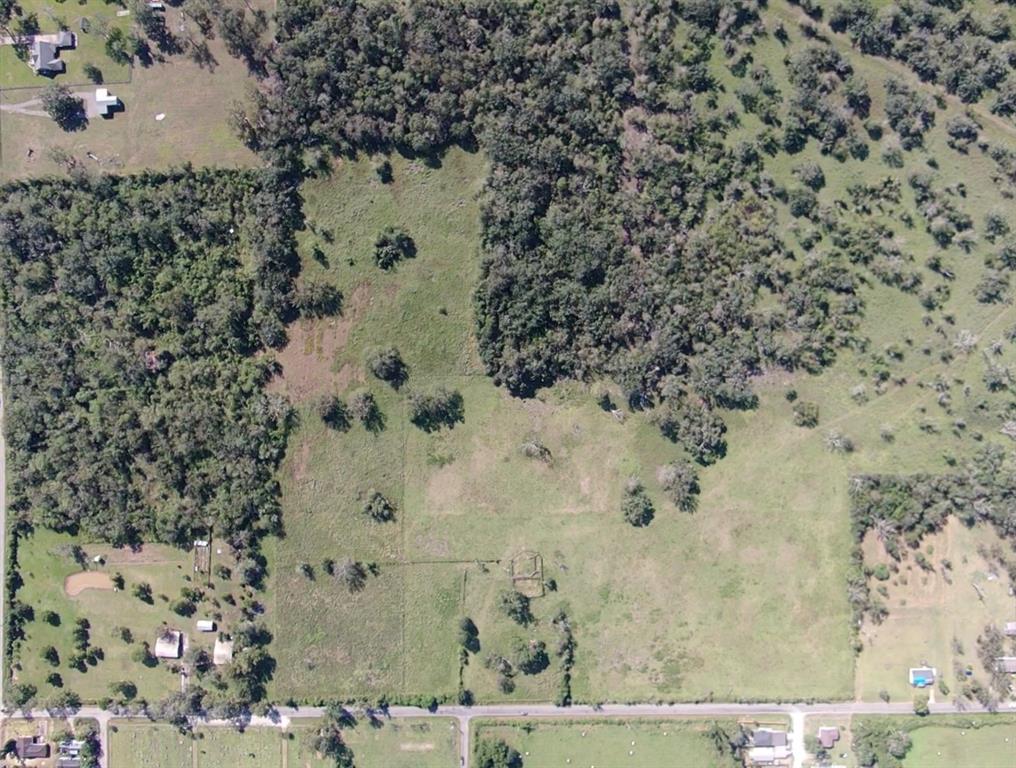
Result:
pixel 193 100
pixel 611 744
pixel 89 21
pixel 53 577
pixel 935 614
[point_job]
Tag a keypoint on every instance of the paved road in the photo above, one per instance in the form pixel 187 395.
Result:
pixel 283 717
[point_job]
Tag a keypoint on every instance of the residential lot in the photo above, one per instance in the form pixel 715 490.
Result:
pixel 194 102
pixel 64 586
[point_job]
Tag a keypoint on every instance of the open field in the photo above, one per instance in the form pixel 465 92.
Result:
pixel 644 602
pixel 195 101
pixel 404 744
pixel 547 744
pixel 991 746
pixel 48 566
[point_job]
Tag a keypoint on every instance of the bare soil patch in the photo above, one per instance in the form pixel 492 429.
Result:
pixel 77 583
pixel 308 360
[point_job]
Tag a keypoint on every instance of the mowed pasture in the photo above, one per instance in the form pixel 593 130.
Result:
pixel 402 743
pixel 194 100
pixel 992 745
pixel 611 744
pixel 51 574
pixel 431 743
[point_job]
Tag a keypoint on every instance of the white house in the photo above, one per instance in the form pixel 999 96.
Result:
pixel 105 101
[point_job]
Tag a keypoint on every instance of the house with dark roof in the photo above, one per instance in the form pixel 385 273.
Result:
pixel 44 53
pixel 30 748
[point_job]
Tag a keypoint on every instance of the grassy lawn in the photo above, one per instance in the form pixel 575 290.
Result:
pixel 195 101
pixel 45 567
pixel 430 743
pixel 547 744
pixel 97 16
pixel 156 746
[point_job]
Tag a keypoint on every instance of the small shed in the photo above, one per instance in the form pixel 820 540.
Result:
pixel 222 653
pixel 206 625
pixel 1010 629
pixel 828 736
pixel 169 645
pixel 922 677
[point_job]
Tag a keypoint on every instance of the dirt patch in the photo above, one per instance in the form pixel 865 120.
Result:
pixel 77 583
pixel 142 555
pixel 309 358
pixel 422 746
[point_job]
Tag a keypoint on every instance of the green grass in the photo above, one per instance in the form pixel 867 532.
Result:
pixel 991 746
pixel 90 49
pixel 658 612
pixel 408 743
pixel 153 746
pixel 403 743
pixel 44 566
pixel 611 744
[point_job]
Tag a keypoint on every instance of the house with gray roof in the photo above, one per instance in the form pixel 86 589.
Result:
pixel 44 53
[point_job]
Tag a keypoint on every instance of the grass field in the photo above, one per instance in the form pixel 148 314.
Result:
pixel 991 746
pixel 661 612
pixel 195 101
pixel 643 743
pixel 45 566
pixel 428 743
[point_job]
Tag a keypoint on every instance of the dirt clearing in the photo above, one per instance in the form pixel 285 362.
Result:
pixel 77 583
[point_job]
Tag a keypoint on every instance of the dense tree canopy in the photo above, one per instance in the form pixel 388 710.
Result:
pixel 133 307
